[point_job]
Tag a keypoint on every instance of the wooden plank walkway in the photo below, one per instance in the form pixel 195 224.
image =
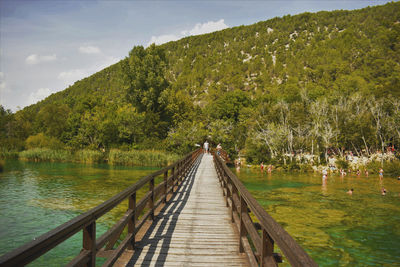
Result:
pixel 194 229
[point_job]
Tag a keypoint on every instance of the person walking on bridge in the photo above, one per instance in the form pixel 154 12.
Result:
pixel 205 146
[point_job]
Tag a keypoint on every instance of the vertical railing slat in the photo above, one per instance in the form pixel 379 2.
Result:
pixel 132 221
pixel 89 242
pixel 165 186
pixel 151 203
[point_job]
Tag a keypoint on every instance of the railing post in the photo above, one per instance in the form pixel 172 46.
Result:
pixel 234 191
pixel 267 250
pixel 242 230
pixel 132 221
pixel 151 189
pixel 89 242
pixel 165 186
pixel 228 192
pixel 223 183
pixel 173 179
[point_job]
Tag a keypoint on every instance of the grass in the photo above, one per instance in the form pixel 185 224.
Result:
pixel 115 156
pixel 141 158
pixel 89 156
pixel 45 154
pixel 6 154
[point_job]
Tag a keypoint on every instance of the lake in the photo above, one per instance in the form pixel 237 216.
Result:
pixel 335 228
pixel 37 197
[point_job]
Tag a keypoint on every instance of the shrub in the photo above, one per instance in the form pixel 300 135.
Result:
pixel 342 164
pixel 42 141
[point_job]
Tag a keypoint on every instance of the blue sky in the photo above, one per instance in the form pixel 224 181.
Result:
pixel 45 46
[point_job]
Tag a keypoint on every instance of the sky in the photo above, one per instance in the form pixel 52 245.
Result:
pixel 45 46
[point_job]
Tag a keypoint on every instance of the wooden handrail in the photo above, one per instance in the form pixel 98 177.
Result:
pixel 86 222
pixel 242 202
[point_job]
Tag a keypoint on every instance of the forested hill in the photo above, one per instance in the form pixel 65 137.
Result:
pixel 233 85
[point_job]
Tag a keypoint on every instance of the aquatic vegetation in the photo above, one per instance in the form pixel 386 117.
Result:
pixel 89 156
pixel 8 154
pixel 141 158
pixel 44 154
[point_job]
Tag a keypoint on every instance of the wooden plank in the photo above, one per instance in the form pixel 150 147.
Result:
pixel 195 227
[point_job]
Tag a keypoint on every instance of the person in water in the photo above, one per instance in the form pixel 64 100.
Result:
pixel 262 166
pixel 350 192
pixel 383 191
pixel 324 174
pixel 380 172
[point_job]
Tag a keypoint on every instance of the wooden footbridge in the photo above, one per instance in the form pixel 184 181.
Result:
pixel 194 212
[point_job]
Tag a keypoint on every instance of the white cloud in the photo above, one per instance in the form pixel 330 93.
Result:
pixel 161 39
pixel 40 94
pixel 208 27
pixel 199 28
pixel 89 49
pixel 36 59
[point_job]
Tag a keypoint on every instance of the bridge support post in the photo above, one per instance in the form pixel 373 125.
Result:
pixel 89 242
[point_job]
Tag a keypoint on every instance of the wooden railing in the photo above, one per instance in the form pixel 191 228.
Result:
pixel 134 219
pixel 257 238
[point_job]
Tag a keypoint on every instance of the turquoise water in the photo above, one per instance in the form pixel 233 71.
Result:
pixel 37 197
pixel 335 228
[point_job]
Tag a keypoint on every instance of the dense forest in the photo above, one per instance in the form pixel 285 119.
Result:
pixel 321 82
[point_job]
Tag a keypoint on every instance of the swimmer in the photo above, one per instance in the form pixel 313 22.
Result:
pixel 358 172
pixel 383 191
pixel 350 192
pixel 366 172
pixel 262 166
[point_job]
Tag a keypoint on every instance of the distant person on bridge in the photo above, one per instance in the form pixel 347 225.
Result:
pixel 206 147
pixel 219 147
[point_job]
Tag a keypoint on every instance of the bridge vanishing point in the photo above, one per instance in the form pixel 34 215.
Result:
pixel 195 212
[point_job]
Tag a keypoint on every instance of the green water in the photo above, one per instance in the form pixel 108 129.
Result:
pixel 37 197
pixel 335 228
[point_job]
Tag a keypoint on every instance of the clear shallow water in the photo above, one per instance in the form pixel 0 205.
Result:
pixel 335 228
pixel 37 197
